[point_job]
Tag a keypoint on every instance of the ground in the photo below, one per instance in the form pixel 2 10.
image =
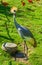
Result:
pixel 29 16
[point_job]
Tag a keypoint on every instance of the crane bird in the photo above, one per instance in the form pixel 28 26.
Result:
pixel 24 32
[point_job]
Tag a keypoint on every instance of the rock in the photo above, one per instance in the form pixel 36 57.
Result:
pixel 9 47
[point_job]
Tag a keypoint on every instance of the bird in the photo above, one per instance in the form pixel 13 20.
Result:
pixel 23 3
pixel 30 1
pixel 23 32
pixel 4 3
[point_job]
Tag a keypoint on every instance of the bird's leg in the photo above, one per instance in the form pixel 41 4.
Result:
pixel 24 46
pixel 26 51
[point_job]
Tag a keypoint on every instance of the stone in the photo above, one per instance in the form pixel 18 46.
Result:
pixel 9 47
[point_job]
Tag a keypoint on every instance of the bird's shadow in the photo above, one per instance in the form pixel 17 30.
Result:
pixel 18 55
pixel 5 37
pixel 8 32
pixel 5 10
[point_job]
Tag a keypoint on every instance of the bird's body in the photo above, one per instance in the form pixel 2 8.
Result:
pixel 23 32
pixel 4 3
pixel 26 32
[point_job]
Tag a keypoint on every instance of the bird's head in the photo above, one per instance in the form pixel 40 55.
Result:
pixel 13 10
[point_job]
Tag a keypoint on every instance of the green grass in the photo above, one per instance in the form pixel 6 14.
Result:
pixel 27 18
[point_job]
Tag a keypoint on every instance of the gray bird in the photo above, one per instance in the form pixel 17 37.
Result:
pixel 23 32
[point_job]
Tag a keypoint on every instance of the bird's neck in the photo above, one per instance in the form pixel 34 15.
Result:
pixel 15 22
pixel 14 18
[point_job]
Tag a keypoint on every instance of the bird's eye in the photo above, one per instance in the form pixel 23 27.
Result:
pixel 14 10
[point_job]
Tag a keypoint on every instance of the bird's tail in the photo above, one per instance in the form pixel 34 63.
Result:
pixel 33 42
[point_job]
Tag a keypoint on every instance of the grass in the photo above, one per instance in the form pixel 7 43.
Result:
pixel 8 33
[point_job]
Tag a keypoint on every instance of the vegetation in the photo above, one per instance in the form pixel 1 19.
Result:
pixel 29 16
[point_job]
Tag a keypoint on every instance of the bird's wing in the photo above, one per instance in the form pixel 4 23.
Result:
pixel 26 32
